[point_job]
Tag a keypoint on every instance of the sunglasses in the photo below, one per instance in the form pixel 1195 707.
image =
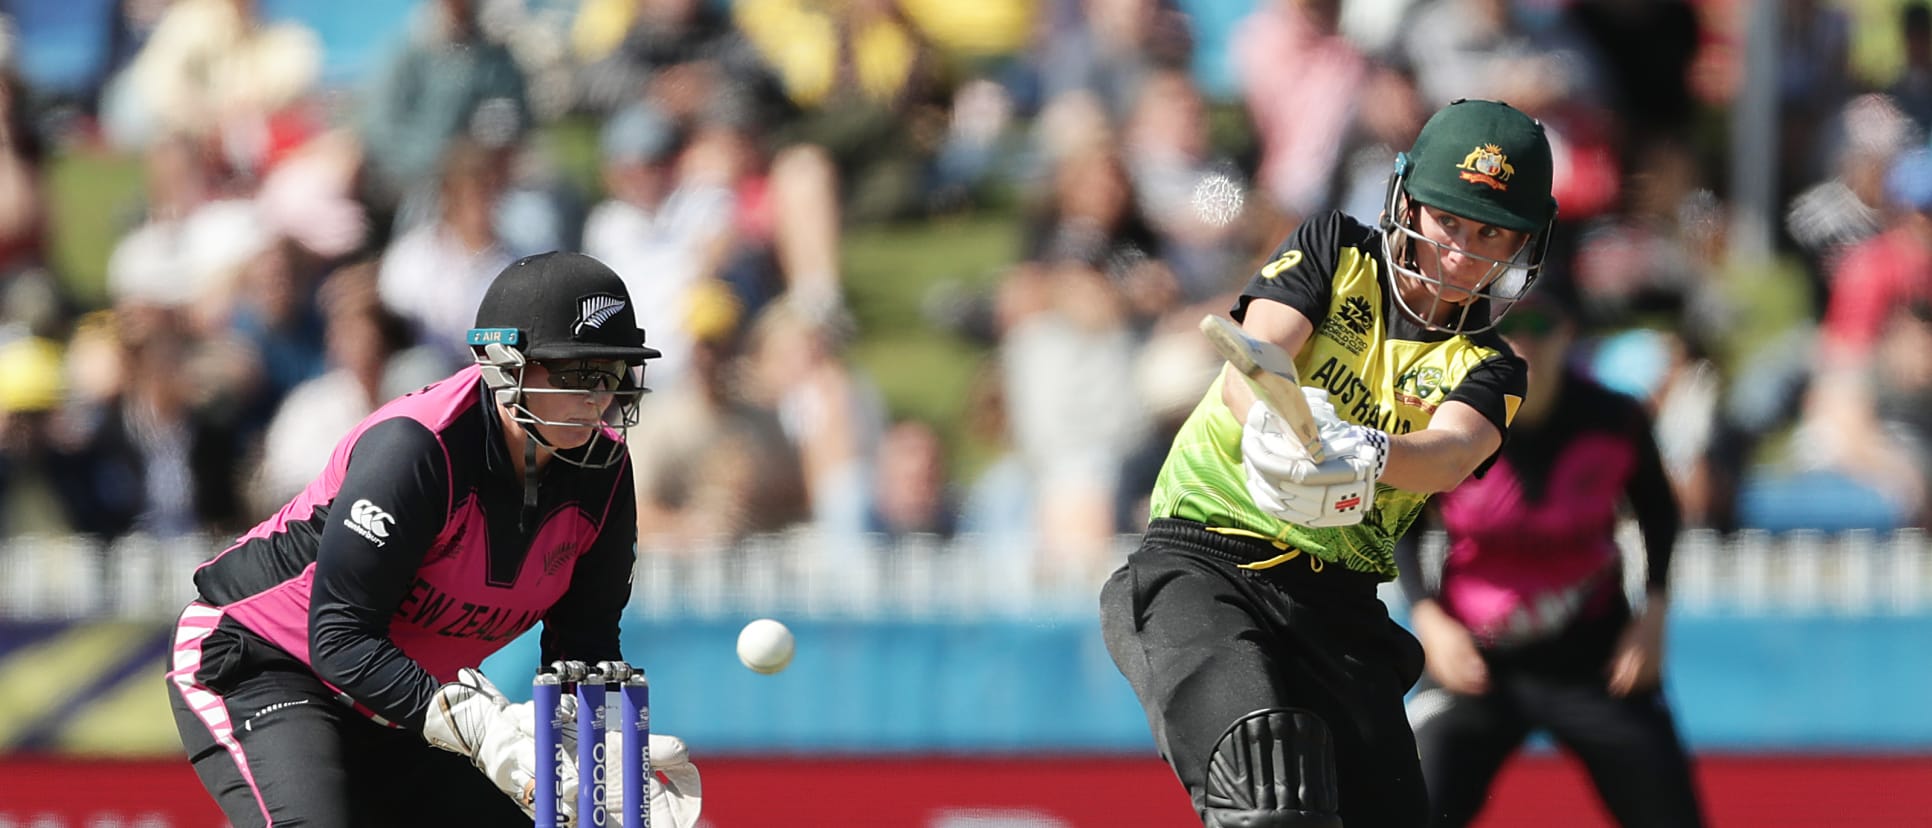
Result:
pixel 587 375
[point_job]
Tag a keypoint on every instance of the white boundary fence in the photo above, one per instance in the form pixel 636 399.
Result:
pixel 802 575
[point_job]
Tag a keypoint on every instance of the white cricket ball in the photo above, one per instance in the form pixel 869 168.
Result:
pixel 765 646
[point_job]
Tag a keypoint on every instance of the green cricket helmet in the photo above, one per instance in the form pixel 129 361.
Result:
pixel 1487 162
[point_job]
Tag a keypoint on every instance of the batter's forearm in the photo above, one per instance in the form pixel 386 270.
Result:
pixel 1433 461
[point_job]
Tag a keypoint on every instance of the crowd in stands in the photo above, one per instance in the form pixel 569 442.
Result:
pixel 303 251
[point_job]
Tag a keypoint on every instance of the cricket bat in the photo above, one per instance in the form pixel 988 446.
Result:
pixel 1271 375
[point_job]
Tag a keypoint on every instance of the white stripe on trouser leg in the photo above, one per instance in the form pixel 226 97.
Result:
pixel 197 622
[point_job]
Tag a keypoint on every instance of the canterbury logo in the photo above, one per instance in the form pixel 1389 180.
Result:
pixel 369 521
pixel 594 311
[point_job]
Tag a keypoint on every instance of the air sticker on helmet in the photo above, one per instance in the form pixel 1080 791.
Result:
pixel 489 336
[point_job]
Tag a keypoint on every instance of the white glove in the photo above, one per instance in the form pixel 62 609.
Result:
pixel 676 800
pixel 471 717
pixel 1285 482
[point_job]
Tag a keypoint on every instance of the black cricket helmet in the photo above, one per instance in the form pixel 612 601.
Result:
pixel 572 313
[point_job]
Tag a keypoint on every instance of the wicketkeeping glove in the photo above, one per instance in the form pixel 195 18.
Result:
pixel 676 799
pixel 471 717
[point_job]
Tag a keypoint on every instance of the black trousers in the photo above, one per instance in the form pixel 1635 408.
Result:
pixel 1628 744
pixel 1205 643
pixel 273 746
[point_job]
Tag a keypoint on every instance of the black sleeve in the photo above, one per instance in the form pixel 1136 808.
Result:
pixel 1652 500
pixel 397 482
pixel 1301 273
pixel 1494 387
pixel 583 624
pixel 1492 383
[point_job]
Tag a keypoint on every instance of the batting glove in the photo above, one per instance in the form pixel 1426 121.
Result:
pixel 1288 484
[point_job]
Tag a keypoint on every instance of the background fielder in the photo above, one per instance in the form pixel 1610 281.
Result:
pixel 1525 624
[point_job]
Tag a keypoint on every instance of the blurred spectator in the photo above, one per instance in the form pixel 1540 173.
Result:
pixel 447 79
pixel 362 341
pixel 1884 272
pixel 683 56
pixel 1814 81
pixel 1541 65
pixel 1107 48
pixel 23 194
pixel 1487 49
pixel 986 31
pixel 1912 89
pixel 216 71
pixel 125 29
pixel 1646 47
pixel 140 453
pixel 276 319
pixel 1193 199
pixel 1067 359
pixel 999 515
pixel 1856 419
pixel 868 85
pixel 434 275
pixel 1301 80
pixel 1645 258
pixel 309 197
pixel 1361 176
pixel 976 152
pixel 911 492
pixel 1091 217
pixel 832 413
pixel 31 388
pixel 1171 372
pixel 712 466
pixel 1902 396
pixel 664 235
pixel 1843 210
pixel 805 226
pixel 1670 375
pixel 193 240
pixel 1865 421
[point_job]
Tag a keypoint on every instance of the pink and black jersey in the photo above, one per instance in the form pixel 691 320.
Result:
pixel 413 554
pixel 1532 544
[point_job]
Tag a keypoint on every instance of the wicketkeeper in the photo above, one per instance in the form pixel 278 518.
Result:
pixel 324 675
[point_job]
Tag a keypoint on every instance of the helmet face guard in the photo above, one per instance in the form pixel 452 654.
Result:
pixel 1505 284
pixel 1485 162
pixel 505 369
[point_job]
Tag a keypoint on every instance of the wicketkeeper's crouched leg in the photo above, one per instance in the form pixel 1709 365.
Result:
pixel 271 745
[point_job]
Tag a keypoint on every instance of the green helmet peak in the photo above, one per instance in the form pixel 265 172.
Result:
pixel 1482 160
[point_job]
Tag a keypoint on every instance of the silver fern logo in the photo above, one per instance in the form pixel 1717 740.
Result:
pixel 594 311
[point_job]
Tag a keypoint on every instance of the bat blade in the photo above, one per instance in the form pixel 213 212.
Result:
pixel 1271 374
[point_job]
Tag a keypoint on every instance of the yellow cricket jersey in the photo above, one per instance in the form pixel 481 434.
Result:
pixel 1381 370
